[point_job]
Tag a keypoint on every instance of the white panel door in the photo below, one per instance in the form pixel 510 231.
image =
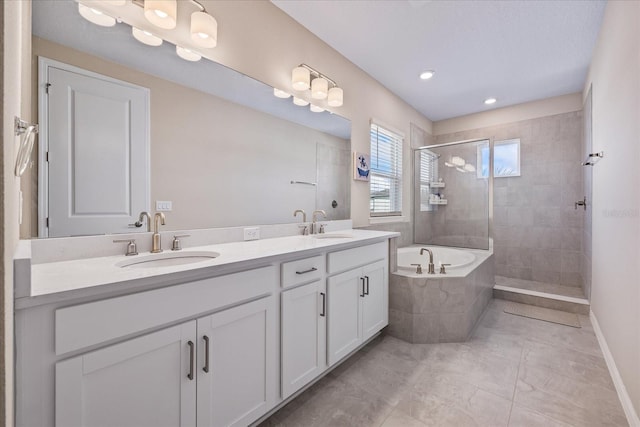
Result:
pixel 98 168
pixel 304 336
pixel 236 355
pixel 375 309
pixel 138 383
pixel 344 292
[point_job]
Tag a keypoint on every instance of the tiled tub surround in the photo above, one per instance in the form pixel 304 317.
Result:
pixel 440 307
pixel 537 232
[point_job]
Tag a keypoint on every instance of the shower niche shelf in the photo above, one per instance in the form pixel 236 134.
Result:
pixel 438 202
pixel 438 184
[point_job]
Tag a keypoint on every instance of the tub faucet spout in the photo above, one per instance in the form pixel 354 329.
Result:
pixel 431 267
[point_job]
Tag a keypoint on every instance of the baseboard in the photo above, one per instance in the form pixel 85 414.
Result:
pixel 625 400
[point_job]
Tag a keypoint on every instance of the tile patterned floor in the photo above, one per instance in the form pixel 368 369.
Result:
pixel 514 371
pixel 567 291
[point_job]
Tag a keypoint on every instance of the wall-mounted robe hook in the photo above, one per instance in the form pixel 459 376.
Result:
pixel 593 158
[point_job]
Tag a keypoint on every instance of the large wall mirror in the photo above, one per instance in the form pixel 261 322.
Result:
pixel 222 148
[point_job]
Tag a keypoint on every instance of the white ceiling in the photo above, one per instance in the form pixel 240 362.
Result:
pixel 515 51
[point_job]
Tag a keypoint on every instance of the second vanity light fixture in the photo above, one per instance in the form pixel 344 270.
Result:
pixel 162 14
pixel 303 78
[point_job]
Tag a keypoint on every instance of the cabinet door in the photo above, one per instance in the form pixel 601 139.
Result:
pixel 375 308
pixel 303 336
pixel 344 292
pixel 140 382
pixel 236 364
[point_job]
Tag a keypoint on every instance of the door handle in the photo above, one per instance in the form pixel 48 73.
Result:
pixel 206 353
pixel 191 356
pixel 367 291
pixel 362 294
pixel 324 304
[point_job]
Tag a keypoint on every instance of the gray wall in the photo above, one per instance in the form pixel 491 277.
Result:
pixel 537 233
pixel 587 173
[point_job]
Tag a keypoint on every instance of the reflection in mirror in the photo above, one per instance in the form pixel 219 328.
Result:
pixel 223 148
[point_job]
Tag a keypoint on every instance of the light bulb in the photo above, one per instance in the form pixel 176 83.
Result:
pixel 319 88
pixel 146 37
pixel 335 97
pixel 204 30
pixel 161 13
pixel 187 54
pixel 96 16
pixel 300 77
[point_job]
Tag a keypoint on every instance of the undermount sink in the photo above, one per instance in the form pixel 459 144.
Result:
pixel 333 236
pixel 167 259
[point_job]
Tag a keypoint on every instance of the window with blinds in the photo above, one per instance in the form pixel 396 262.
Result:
pixel 386 172
pixel 428 174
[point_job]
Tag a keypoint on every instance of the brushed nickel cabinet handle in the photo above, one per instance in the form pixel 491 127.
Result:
pixel 191 355
pixel 324 304
pixel 206 353
pixel 312 269
pixel 367 291
pixel 362 294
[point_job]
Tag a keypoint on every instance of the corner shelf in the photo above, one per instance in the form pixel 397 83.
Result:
pixel 438 202
pixel 437 184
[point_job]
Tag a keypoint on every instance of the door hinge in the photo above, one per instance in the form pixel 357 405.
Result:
pixel 47 222
pixel 46 158
pixel 46 87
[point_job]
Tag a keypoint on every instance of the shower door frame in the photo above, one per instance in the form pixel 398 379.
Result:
pixel 446 144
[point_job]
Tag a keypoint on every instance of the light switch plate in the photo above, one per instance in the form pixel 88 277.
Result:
pixel 163 206
pixel 252 233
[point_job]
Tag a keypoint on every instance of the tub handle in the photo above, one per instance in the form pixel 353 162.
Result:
pixel 418 268
pixel 442 268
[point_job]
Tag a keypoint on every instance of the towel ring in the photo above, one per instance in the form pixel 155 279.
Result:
pixel 28 132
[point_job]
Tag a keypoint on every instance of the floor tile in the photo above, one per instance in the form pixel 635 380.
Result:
pixel 513 371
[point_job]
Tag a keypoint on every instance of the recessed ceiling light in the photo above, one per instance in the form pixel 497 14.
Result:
pixel 427 74
pixel 490 101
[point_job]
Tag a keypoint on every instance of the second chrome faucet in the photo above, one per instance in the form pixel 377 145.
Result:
pixel 156 243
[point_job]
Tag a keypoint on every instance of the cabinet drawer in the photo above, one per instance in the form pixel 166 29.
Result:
pixel 357 257
pixel 302 271
pixel 89 324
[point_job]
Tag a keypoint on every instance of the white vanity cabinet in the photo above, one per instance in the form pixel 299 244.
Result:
pixel 304 335
pixel 140 382
pixel 357 298
pixel 219 364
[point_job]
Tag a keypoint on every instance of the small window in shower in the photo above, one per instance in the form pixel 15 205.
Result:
pixel 506 159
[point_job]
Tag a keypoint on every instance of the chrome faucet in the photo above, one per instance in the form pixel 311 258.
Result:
pixel 431 268
pixel 158 220
pixel 144 215
pixel 314 218
pixel 304 227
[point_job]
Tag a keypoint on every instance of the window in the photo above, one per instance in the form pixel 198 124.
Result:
pixel 506 159
pixel 386 172
pixel 428 174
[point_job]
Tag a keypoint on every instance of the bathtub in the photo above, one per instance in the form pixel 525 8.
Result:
pixel 458 258
pixel 434 308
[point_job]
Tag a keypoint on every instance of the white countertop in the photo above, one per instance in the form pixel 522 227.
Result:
pixel 63 276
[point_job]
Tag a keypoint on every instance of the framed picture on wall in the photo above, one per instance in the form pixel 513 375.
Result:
pixel 361 163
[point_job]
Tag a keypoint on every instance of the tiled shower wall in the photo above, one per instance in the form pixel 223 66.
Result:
pixel 537 232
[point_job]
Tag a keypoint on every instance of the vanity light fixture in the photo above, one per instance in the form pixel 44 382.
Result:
pixel 490 101
pixel 96 16
pixel 427 74
pixel 161 13
pixel 279 93
pixel 301 102
pixel 187 54
pixel 145 37
pixel 316 109
pixel 304 77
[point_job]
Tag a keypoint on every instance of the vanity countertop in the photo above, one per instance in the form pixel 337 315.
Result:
pixel 56 280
